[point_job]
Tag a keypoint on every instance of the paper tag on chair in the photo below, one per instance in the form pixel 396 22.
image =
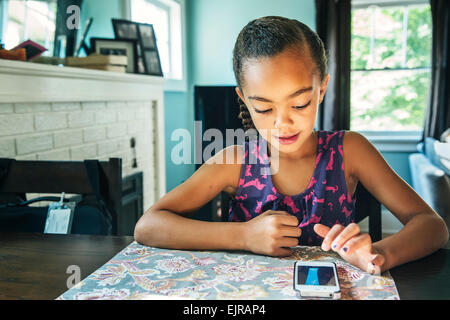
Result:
pixel 59 217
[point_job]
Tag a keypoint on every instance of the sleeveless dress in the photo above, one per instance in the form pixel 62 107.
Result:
pixel 326 200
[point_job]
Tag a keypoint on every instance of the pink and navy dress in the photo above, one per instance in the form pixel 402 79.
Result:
pixel 326 200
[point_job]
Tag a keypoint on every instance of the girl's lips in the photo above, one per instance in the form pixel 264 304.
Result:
pixel 288 140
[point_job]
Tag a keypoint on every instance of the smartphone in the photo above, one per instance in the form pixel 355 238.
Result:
pixel 316 279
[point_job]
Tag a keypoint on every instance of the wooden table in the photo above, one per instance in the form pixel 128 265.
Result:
pixel 34 266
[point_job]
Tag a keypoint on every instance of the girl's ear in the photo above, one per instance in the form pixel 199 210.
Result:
pixel 239 93
pixel 323 88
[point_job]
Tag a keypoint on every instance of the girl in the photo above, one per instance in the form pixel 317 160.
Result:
pixel 281 73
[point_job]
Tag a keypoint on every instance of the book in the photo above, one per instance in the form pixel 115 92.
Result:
pixel 32 49
pixel 113 68
pixel 97 59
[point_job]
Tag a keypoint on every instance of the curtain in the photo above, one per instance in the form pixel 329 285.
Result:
pixel 437 118
pixel 333 23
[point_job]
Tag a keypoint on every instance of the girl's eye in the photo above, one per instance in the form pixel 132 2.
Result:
pixel 262 111
pixel 302 107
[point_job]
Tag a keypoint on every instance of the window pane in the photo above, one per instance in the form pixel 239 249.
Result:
pixel 389 100
pixel 377 38
pixel 360 29
pixel 394 38
pixel 419 37
pixel 391 37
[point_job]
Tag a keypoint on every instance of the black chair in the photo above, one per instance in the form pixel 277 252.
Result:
pixel 366 206
pixel 18 178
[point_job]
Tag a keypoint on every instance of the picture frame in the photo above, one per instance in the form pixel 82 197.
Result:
pixel 148 59
pixel 109 46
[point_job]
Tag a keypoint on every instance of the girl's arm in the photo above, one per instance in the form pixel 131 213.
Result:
pixel 424 230
pixel 166 224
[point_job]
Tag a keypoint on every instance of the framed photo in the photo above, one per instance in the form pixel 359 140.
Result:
pixel 148 58
pixel 117 47
pixel 147 36
pixel 151 60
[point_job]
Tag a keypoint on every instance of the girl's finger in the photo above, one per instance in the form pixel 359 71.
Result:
pixel 288 242
pixel 287 231
pixel 332 234
pixel 374 266
pixel 349 232
pixel 321 230
pixel 356 243
pixel 378 259
pixel 373 269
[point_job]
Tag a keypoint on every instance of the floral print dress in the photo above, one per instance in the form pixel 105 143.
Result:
pixel 326 199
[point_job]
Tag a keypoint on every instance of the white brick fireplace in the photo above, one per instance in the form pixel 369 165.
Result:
pixel 61 113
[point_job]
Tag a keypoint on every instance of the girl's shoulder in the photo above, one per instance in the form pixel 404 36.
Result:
pixel 229 161
pixel 353 142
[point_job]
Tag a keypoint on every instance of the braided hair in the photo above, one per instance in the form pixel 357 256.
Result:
pixel 268 36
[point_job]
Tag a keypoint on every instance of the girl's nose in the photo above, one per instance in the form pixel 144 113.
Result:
pixel 282 119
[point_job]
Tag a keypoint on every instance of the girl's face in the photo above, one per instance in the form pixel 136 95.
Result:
pixel 282 94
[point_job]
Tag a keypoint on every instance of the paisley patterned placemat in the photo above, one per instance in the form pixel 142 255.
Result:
pixel 140 272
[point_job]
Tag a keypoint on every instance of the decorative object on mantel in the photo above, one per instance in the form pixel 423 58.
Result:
pixel 33 49
pixel 19 55
pixel 49 60
pixel 117 47
pixel 82 45
pixel 27 50
pixel 99 62
pixel 148 56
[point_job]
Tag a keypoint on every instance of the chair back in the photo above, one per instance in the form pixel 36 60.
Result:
pixel 71 177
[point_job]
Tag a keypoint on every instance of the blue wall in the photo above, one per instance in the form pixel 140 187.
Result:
pixel 176 116
pixel 102 11
pixel 215 24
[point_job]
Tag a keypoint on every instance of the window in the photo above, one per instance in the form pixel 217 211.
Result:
pixel 25 19
pixel 165 15
pixel 390 65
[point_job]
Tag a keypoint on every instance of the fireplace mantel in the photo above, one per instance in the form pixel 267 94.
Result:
pixel 33 82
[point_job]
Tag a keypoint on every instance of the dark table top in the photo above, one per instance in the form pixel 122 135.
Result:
pixel 34 266
pixel 424 279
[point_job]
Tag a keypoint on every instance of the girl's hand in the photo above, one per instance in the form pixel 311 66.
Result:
pixel 272 233
pixel 355 247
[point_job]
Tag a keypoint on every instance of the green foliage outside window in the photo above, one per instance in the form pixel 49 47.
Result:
pixel 396 99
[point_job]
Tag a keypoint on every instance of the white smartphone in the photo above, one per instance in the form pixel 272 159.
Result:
pixel 316 279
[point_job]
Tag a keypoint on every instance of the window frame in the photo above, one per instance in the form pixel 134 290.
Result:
pixel 391 141
pixel 171 84
pixel 3 17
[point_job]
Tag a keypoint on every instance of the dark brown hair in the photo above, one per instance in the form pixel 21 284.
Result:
pixel 267 37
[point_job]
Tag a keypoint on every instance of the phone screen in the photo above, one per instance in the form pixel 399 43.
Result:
pixel 315 276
